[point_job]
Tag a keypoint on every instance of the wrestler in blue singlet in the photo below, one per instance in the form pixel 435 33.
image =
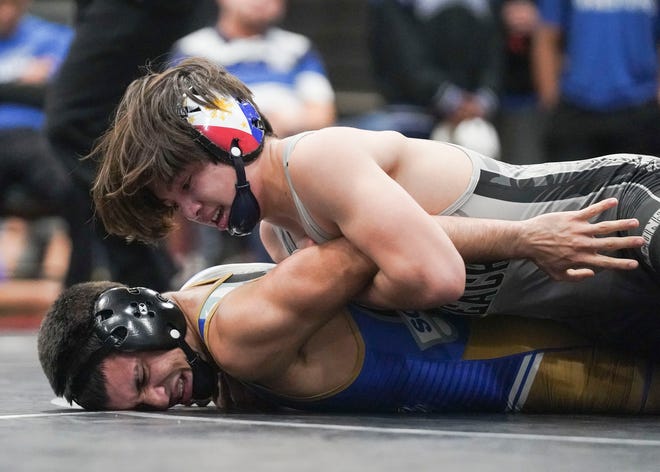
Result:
pixel 416 361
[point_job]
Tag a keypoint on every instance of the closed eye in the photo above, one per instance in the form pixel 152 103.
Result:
pixel 186 184
pixel 171 205
pixel 139 379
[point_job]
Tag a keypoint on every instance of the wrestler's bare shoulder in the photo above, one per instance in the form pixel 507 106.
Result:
pixel 346 139
pixel 343 143
pixel 343 137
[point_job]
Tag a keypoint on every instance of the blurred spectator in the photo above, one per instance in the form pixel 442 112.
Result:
pixel 282 68
pixel 596 65
pixel 113 41
pixel 32 183
pixel 437 62
pixel 519 120
pixel 290 86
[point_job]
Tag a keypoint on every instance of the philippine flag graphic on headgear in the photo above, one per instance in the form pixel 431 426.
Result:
pixel 232 119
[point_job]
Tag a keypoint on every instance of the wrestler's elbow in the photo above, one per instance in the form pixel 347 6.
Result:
pixel 431 288
pixel 445 287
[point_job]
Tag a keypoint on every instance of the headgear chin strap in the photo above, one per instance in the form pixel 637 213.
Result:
pixel 231 132
pixel 141 319
pixel 245 212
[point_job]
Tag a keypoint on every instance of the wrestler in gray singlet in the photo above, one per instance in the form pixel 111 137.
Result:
pixel 611 305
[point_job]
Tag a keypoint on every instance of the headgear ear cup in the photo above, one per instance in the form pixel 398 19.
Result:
pixel 245 212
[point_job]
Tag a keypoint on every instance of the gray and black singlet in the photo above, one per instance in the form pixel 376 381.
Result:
pixel 605 305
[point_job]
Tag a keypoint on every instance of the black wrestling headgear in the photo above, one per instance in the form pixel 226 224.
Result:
pixel 232 133
pixel 141 319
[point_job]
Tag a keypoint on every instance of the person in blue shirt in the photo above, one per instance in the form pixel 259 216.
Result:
pixel 282 68
pixel 31 51
pixel 597 76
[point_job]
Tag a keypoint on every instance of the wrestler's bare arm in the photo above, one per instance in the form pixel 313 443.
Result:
pixel 566 245
pixel 342 185
pixel 260 327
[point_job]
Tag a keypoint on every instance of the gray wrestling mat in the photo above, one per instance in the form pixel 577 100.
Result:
pixel 38 435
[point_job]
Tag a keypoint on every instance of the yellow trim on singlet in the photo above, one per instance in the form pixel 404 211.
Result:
pixel 593 379
pixel 199 283
pixel 208 322
pixel 573 374
pixel 499 336
pixel 357 368
pixel 209 312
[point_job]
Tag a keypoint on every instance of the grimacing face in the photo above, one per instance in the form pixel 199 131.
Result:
pixel 154 380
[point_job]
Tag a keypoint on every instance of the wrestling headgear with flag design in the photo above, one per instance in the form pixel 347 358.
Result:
pixel 233 133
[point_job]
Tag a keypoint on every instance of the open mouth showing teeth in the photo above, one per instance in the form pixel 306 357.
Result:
pixel 180 383
pixel 217 216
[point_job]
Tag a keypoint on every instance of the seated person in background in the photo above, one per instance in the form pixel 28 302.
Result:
pixel 282 68
pixel 437 64
pixel 31 50
pixel 287 335
pixel 33 184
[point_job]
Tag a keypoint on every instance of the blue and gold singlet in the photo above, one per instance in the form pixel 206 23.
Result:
pixel 418 361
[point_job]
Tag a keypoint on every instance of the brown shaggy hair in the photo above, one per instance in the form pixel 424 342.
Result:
pixel 149 142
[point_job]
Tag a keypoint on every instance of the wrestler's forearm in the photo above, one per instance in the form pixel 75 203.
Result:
pixel 268 321
pixel 319 278
pixel 567 245
pixel 485 240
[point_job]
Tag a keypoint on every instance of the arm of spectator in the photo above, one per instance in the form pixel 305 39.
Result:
pixel 38 71
pixel 546 64
pixel 319 114
pixel 309 116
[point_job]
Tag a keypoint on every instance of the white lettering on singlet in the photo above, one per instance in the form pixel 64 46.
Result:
pixel 482 284
pixel 428 330
pixel 649 231
pixel 647 6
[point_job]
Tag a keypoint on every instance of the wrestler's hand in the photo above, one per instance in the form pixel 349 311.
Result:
pixel 567 246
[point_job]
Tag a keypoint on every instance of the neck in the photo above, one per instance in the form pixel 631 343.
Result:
pixel 269 184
